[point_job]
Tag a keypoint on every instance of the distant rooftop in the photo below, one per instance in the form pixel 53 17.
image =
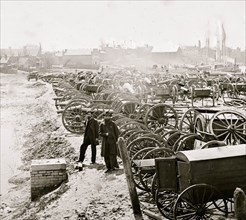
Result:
pixel 77 52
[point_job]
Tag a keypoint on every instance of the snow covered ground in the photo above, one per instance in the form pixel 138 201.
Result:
pixel 31 129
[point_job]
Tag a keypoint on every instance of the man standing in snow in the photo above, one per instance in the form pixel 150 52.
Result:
pixel 90 138
pixel 110 133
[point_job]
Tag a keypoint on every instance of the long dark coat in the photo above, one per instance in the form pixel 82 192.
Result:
pixel 109 143
pixel 92 131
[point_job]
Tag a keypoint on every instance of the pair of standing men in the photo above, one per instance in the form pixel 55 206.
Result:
pixel 109 132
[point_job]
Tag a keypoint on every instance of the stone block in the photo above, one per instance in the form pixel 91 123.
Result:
pixel 48 164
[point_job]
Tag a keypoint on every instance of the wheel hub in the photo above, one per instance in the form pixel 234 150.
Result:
pixel 131 116
pixel 231 128
pixel 200 211
pixel 77 118
pixel 162 121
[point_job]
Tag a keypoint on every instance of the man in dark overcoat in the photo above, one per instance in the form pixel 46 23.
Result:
pixel 91 136
pixel 110 133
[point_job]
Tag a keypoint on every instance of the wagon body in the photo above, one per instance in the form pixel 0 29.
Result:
pixel 202 92
pixel 240 87
pixel 223 168
pixel 161 91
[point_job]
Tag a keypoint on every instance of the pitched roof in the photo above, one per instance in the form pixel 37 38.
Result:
pixel 4 60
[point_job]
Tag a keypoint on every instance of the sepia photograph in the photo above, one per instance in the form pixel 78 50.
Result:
pixel 123 110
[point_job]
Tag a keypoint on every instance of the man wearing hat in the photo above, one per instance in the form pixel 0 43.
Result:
pixel 110 133
pixel 90 138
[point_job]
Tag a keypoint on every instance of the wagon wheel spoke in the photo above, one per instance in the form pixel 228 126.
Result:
pixel 220 125
pixel 240 137
pixel 222 133
pixel 240 125
pixel 228 123
pixel 226 138
pixel 236 139
pixel 223 121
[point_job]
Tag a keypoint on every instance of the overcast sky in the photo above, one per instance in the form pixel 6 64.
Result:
pixel 84 24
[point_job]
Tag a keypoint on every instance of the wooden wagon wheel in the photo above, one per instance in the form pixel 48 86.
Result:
pixel 161 131
pixel 130 109
pixel 141 143
pixel 143 110
pixel 115 117
pixel 145 177
pixel 229 126
pixel 187 122
pixel 240 86
pixel 127 133
pixel 165 201
pixel 136 134
pixel 123 120
pixel 113 95
pixel 73 117
pixel 82 87
pixel 188 142
pixel 105 94
pixel 200 125
pixel 138 156
pixel 157 137
pixel 191 205
pixel 229 93
pixel 238 103
pixel 223 83
pixel 100 88
pixel 132 125
pixel 213 143
pixel 177 142
pixel 171 140
pixel 161 115
pixel 166 135
pixel 154 186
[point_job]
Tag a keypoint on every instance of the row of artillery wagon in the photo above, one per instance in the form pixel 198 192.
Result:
pixel 186 160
